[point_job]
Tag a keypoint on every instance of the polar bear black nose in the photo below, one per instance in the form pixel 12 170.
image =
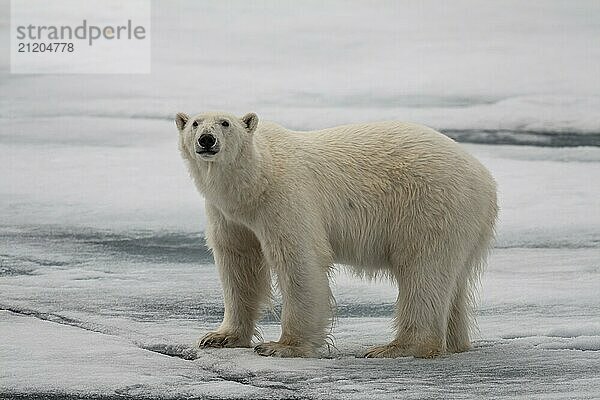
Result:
pixel 206 141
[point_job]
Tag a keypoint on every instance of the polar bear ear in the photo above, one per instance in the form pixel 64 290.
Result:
pixel 250 122
pixel 180 120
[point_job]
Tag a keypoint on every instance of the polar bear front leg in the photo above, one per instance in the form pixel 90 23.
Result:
pixel 245 278
pixel 302 276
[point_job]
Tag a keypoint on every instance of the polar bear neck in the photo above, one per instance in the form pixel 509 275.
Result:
pixel 234 187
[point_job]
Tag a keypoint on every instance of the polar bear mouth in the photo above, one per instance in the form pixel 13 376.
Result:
pixel 211 152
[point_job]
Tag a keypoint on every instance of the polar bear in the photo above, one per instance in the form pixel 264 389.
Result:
pixel 389 199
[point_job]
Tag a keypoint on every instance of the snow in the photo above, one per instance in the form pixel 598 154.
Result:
pixel 105 284
pixel 526 347
pixel 517 66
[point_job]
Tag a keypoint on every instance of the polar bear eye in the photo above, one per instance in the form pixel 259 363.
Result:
pixel 225 124
pixel 195 124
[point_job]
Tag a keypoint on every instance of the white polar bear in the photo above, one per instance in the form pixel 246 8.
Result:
pixel 388 198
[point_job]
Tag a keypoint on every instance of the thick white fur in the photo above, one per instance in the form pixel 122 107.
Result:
pixel 388 198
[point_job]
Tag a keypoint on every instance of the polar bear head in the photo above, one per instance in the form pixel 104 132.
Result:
pixel 214 137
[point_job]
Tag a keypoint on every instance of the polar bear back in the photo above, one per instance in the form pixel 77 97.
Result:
pixel 381 186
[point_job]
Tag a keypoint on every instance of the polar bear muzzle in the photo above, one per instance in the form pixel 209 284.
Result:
pixel 207 144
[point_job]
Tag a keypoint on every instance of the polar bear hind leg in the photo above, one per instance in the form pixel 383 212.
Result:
pixel 461 319
pixel 422 311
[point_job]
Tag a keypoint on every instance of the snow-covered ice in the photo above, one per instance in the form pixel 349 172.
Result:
pixel 115 321
pixel 105 284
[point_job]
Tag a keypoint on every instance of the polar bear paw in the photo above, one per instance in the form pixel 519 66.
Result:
pixel 387 351
pixel 278 349
pixel 221 339
pixel 394 350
